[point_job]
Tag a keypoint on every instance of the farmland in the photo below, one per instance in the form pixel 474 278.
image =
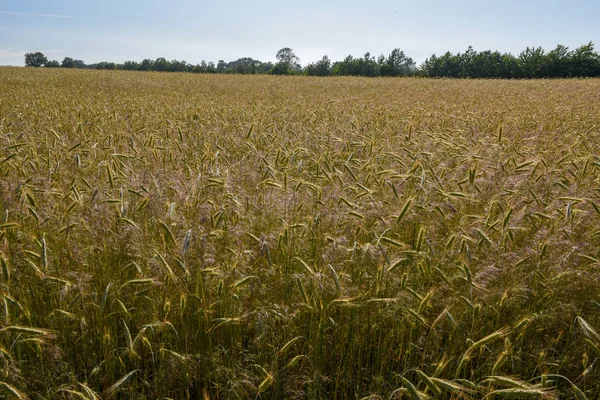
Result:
pixel 189 236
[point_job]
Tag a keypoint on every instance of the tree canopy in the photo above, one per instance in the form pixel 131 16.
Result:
pixel 533 62
pixel 68 62
pixel 37 59
pixel 288 62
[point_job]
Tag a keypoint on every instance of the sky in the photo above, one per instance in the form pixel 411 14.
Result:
pixel 120 30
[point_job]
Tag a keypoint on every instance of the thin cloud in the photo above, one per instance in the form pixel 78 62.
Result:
pixel 11 56
pixel 36 14
pixel 10 52
pixel 232 9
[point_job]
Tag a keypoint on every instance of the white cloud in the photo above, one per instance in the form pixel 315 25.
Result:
pixel 232 9
pixel 11 56
pixel 36 14
pixel 9 51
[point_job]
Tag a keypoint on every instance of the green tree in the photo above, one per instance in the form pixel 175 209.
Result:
pixel 585 61
pixel 130 66
pixel 221 66
pixel 146 65
pixel 68 62
pixel 106 65
pixel 345 67
pixel 179 66
pixel 52 64
pixel 530 62
pixel 367 66
pixel 288 62
pixel 36 60
pixel 320 68
pixel 557 62
pixel 211 68
pixel 199 68
pixel 510 66
pixel 398 64
pixel 467 62
pixel 161 64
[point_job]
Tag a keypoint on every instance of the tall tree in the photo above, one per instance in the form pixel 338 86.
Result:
pixel 146 65
pixel 161 64
pixel 35 59
pixel 287 55
pixel 585 61
pixel 288 62
pixel 130 66
pixel 556 62
pixel 320 68
pixel 221 66
pixel 68 62
pixel 530 62
pixel 399 64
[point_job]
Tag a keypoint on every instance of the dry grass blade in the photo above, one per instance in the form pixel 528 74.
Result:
pixel 76 394
pixel 452 387
pixel 413 392
pixel 405 209
pixel 295 360
pixel 113 390
pixel 306 267
pixel 588 330
pixel 130 343
pixel 5 269
pixel 243 282
pixel 221 322
pixel 12 392
pixel 183 359
pixel 430 383
pixel 500 333
pixel 25 330
pixel 336 279
pixel 89 392
pixel 289 344
pixel 266 383
pixel 165 264
pixel 518 388
pixel 521 393
pixel 507 381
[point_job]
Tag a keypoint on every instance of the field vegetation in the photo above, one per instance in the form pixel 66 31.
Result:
pixel 221 237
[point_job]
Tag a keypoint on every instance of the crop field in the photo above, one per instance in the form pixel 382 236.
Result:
pixel 239 237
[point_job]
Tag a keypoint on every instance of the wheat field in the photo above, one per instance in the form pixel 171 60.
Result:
pixel 239 237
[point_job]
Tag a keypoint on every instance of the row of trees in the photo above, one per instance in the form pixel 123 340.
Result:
pixel 396 64
pixel 39 60
pixel 242 66
pixel 531 63
pixel 288 63
pixel 245 65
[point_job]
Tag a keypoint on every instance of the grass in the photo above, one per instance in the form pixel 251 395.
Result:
pixel 219 237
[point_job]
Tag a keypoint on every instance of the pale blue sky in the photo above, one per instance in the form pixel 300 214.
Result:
pixel 120 30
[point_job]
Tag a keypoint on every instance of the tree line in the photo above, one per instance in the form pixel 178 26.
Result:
pixel 534 62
